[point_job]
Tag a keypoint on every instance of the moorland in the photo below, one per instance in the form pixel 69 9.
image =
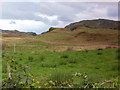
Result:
pixel 61 56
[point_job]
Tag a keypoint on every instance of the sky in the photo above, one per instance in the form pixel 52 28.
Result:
pixel 40 16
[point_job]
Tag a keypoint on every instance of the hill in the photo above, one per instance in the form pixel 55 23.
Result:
pixel 97 23
pixel 101 33
pixel 90 30
pixel 62 39
pixel 18 32
pixel 61 58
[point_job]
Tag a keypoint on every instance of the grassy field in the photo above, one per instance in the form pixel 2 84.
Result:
pixel 0 70
pixel 51 55
pixel 98 64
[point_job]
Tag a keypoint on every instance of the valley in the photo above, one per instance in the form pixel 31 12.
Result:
pixel 93 51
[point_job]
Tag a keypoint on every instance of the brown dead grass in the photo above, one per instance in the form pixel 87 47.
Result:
pixel 12 35
pixel 62 40
pixel 81 35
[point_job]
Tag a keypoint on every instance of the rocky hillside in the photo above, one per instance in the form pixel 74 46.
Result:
pixel 18 32
pixel 97 23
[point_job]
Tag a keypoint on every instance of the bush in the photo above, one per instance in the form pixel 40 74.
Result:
pixel 62 62
pixel 19 75
pixel 51 28
pixel 64 56
pixel 73 61
pixel 100 49
pixel 42 58
pixel 20 59
pixel 99 53
pixel 30 58
pixel 45 64
pixel 86 51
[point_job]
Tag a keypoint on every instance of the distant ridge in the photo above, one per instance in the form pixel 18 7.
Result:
pixel 18 32
pixel 96 23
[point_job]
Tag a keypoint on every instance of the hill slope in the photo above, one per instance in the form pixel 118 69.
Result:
pixel 81 36
pixel 99 31
pixel 97 23
pixel 18 32
pixel 61 39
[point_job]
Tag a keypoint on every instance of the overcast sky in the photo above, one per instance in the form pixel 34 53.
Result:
pixel 38 17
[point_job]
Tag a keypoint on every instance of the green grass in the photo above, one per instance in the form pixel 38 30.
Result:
pixel 100 65
pixel 0 69
pixel 81 35
pixel 40 53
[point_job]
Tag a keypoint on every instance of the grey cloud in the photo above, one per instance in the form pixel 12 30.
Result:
pixel 27 10
pixel 67 18
pixel 54 22
pixel 19 10
pixel 113 11
pixel 65 11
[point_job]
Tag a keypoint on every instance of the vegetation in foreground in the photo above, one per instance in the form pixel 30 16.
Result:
pixel 89 68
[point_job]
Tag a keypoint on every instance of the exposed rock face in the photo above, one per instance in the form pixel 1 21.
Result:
pixel 17 32
pixel 52 29
pixel 97 23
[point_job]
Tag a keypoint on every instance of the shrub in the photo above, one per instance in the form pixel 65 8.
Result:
pixel 64 56
pixel 3 55
pixel 21 54
pixel 99 53
pixel 42 58
pixel 73 61
pixel 86 51
pixel 30 58
pixel 63 63
pixel 100 49
pixel 51 28
pixel 46 64
pixel 19 76
pixel 20 59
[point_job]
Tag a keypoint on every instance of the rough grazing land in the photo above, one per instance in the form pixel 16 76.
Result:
pixel 84 50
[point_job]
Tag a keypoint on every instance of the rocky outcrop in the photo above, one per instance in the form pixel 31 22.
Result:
pixel 97 23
